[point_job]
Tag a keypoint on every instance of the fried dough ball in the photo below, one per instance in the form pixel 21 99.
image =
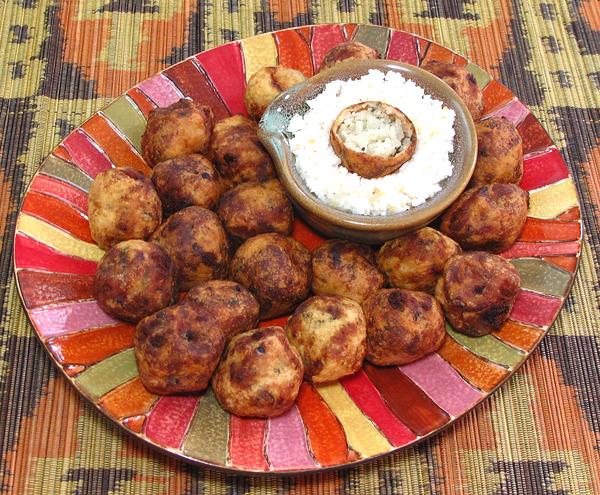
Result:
pixel 350 50
pixel 232 307
pixel 330 334
pixel 177 349
pixel 499 152
pixel 276 269
pixel 114 195
pixel 180 129
pixel 402 326
pixel 187 181
pixel 488 217
pixel 477 291
pixel 237 152
pixel 197 243
pixel 342 268
pixel 260 374
pixel 256 208
pixel 134 279
pixel 266 84
pixel 462 82
pixel 416 260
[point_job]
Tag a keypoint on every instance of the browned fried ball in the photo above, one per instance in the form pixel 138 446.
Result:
pixel 177 349
pixel 488 217
pixel 351 50
pixel 187 181
pixel 342 268
pixel 232 307
pixel 477 291
pixel 114 195
pixel 256 208
pixel 276 269
pixel 197 243
pixel 237 152
pixel 260 374
pixel 180 129
pixel 330 334
pixel 134 279
pixel 416 260
pixel 266 84
pixel 499 152
pixel 462 82
pixel 402 326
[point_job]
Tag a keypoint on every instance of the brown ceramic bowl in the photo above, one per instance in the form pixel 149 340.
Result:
pixel 372 229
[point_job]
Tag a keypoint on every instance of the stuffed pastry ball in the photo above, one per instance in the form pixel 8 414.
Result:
pixel 351 50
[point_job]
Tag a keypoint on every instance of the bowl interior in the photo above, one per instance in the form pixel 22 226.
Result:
pixel 273 133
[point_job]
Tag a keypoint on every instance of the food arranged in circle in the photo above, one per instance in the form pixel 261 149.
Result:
pixel 236 311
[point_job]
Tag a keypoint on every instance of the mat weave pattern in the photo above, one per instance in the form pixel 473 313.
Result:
pixel 62 61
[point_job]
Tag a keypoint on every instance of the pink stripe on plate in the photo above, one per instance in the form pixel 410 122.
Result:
pixel 528 249
pixel 366 396
pixel 68 318
pixel 169 420
pixel 543 168
pixel 535 308
pixel 442 383
pixel 514 111
pixel 160 90
pixel 286 442
pixel 85 154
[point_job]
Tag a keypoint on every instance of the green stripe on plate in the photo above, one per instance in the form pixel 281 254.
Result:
pixel 542 277
pixel 490 348
pixel 374 36
pixel 125 116
pixel 481 76
pixel 208 435
pixel 67 172
pixel 108 374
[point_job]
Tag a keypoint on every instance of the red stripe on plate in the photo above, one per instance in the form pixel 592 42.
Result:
pixel 323 39
pixel 42 288
pixel 247 443
pixel 403 47
pixel 169 420
pixel 61 190
pixel 543 168
pixel 535 308
pixel 85 155
pixel 533 249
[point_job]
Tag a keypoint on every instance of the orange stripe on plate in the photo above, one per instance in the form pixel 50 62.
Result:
pixel 130 399
pixel 519 335
pixel 568 263
pixel 145 104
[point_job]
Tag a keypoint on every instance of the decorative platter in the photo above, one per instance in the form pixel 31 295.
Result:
pixel 372 413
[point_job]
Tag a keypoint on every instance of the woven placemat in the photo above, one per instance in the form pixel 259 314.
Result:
pixel 61 61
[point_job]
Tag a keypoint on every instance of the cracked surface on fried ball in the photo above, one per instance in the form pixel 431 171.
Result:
pixel 134 279
pixel 351 50
pixel 477 291
pixel 260 374
pixel 177 349
pixel 330 334
pixel 402 326
pixel 197 243
pixel 342 268
pixel 488 217
pixel 416 260
pixel 114 195
pixel 180 129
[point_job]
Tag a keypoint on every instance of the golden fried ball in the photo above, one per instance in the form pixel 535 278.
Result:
pixel 180 129
pixel 266 84
pixel 187 181
pixel 342 268
pixel 276 269
pixel 330 334
pixel 416 260
pixel 237 152
pixel 177 349
pixel 256 208
pixel 351 50
pixel 260 374
pixel 197 243
pixel 114 195
pixel 499 152
pixel 477 291
pixel 488 217
pixel 232 307
pixel 134 279
pixel 402 326
pixel 462 82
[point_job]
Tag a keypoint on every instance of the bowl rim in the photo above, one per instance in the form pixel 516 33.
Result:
pixel 406 220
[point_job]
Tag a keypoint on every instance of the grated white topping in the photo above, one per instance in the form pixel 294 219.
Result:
pixel 416 181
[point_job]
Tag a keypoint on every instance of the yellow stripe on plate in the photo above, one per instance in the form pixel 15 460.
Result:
pixel 259 51
pixel 551 201
pixel 57 239
pixel 362 435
